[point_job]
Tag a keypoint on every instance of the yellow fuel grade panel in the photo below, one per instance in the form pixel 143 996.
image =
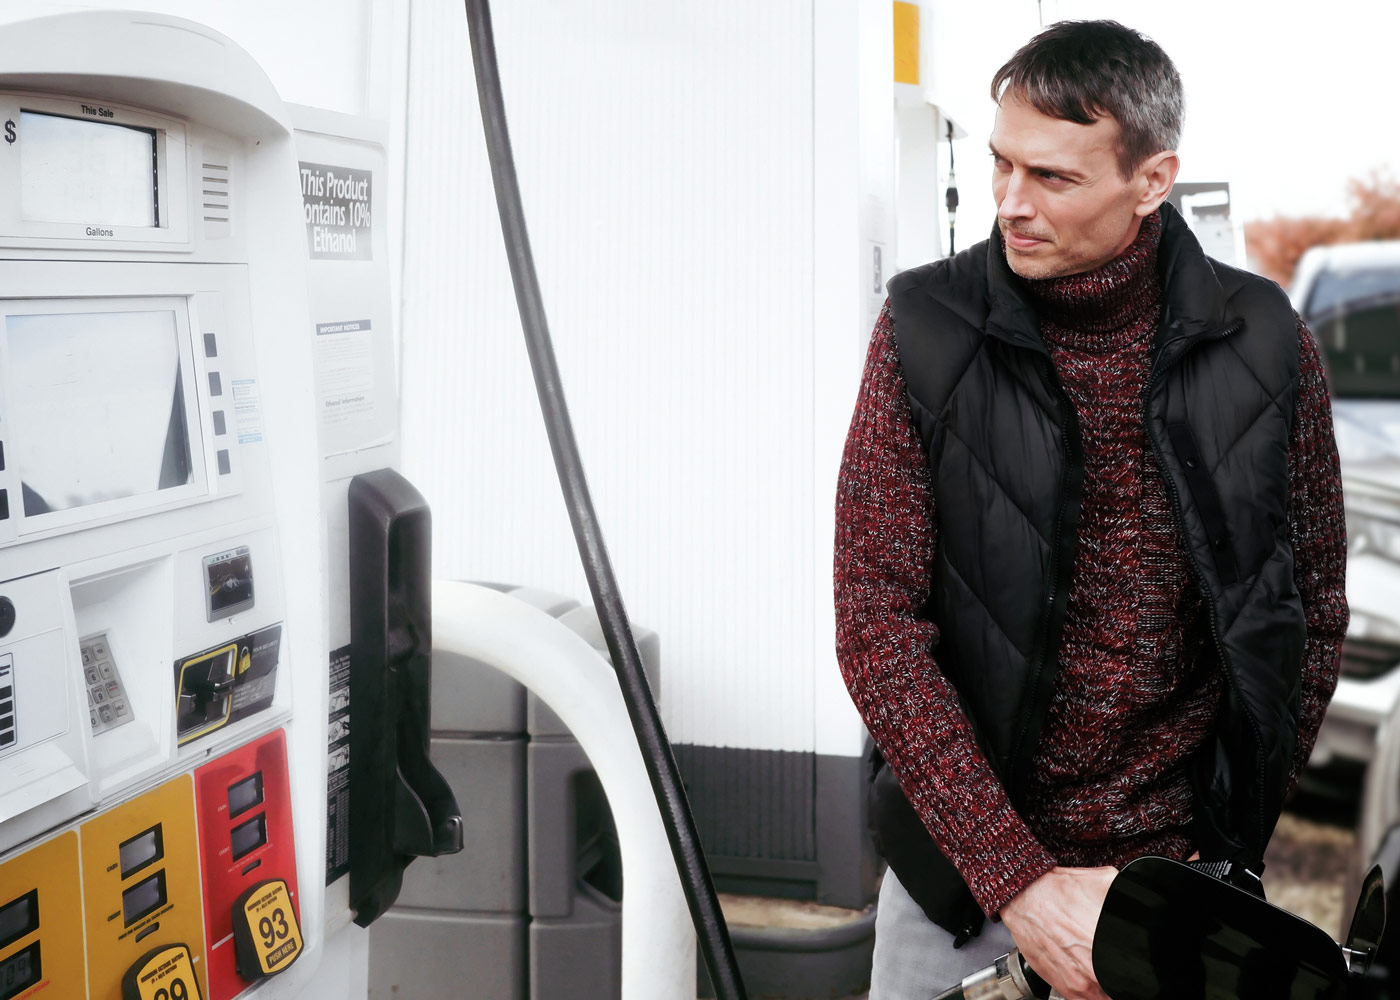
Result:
pixel 141 884
pixel 41 922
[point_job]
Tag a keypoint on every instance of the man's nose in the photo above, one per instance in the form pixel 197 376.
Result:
pixel 1015 201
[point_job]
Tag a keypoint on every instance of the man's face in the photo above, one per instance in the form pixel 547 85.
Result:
pixel 1062 205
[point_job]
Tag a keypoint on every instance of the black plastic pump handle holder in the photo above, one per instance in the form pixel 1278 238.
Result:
pixel 713 934
pixel 401 808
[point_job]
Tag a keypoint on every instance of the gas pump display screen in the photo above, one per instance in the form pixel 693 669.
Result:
pixel 249 836
pixel 19 917
pixel 144 897
pixel 245 794
pixel 74 170
pixel 19 972
pixel 141 850
pixel 96 406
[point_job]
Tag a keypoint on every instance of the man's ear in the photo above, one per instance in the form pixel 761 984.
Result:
pixel 1157 174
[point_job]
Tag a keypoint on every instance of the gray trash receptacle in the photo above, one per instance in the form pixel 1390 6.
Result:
pixel 531 908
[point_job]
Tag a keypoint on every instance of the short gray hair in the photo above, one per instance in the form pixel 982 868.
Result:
pixel 1080 71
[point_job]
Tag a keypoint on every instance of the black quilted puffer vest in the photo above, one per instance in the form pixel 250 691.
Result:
pixel 1007 469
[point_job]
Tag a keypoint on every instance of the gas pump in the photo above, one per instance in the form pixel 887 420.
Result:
pixel 195 367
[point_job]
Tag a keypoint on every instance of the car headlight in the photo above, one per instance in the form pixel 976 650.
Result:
pixel 1372 645
pixel 1369 534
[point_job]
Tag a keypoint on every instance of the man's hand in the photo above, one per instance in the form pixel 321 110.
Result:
pixel 1053 921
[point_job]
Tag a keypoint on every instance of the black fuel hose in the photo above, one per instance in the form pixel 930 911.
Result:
pixel 713 933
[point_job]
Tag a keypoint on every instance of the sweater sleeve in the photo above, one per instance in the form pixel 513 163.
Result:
pixel 1317 525
pixel 885 537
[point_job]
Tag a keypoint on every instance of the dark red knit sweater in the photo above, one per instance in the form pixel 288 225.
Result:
pixel 1133 699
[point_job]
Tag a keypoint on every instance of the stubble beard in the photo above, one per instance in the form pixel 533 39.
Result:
pixel 1031 267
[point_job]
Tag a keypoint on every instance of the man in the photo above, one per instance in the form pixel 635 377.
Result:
pixel 1090 548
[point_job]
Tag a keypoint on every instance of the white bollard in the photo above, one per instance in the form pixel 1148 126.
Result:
pixel 658 940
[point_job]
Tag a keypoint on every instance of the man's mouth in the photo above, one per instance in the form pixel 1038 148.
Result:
pixel 1021 241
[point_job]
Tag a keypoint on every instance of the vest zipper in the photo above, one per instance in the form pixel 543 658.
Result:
pixel 1196 571
pixel 1061 569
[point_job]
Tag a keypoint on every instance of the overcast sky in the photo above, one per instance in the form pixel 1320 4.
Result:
pixel 1286 100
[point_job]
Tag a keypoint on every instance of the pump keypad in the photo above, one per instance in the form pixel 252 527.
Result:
pixel 108 707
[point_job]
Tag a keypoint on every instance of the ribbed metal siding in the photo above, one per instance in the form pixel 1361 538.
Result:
pixel 665 156
pixel 752 804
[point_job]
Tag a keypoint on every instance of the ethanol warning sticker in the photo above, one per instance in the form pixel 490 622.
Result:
pixel 336 203
pixel 276 936
pixel 165 974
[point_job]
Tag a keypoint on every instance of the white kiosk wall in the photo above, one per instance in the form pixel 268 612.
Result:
pixel 710 193
pixel 195 356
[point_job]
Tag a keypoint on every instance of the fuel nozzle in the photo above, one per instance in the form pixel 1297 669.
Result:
pixel 1008 978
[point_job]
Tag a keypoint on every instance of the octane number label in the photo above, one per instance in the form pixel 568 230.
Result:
pixel 168 975
pixel 276 936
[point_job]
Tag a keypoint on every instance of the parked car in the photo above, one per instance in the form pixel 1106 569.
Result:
pixel 1349 295
pixel 1378 842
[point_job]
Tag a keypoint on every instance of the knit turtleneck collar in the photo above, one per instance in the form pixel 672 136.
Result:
pixel 1109 307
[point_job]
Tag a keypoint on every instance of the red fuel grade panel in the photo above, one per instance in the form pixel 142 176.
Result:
pixel 244 804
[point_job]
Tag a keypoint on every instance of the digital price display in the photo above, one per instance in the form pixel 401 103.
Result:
pixel 73 170
pixel 19 972
pixel 245 794
pixel 249 836
pixel 140 851
pixel 19 917
pixel 143 898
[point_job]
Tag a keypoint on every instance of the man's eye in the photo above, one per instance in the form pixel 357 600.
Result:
pixel 1050 175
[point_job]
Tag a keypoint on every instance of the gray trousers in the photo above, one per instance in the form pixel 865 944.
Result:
pixel 915 958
